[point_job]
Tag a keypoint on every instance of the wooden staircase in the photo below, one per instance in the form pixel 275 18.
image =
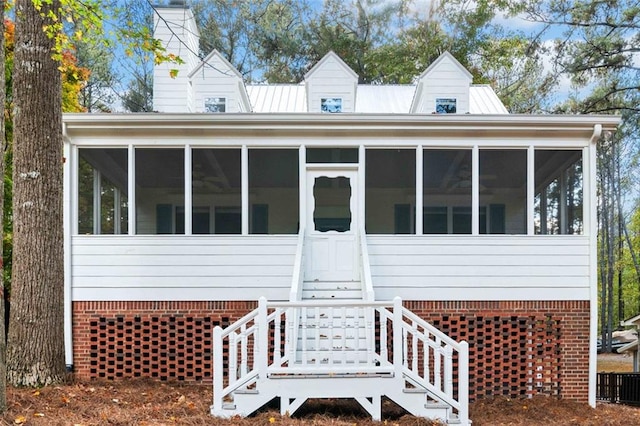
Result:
pixel 332 290
pixel 332 340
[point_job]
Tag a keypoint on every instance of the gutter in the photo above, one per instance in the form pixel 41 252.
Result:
pixel 597 133
pixel 67 227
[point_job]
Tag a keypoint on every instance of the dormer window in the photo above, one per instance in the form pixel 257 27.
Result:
pixel 446 105
pixel 215 105
pixel 331 105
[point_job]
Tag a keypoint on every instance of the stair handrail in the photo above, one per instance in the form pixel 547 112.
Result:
pixel 411 334
pixel 444 345
pixel 367 281
pixel 258 333
pixel 295 294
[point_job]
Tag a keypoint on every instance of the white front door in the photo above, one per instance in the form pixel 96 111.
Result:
pixel 331 239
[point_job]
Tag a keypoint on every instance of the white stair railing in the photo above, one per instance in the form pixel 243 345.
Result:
pixel 263 345
pixel 425 355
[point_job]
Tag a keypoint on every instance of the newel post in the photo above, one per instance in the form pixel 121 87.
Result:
pixel 218 372
pixel 397 334
pixel 263 339
pixel 463 383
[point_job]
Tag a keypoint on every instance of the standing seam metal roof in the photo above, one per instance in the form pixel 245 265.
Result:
pixel 385 99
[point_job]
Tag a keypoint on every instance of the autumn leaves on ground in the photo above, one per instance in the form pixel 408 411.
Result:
pixel 155 403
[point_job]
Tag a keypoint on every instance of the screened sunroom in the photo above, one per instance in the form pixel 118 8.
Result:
pixel 142 190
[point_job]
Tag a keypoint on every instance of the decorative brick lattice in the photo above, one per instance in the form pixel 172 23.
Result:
pixel 516 348
pixel 167 343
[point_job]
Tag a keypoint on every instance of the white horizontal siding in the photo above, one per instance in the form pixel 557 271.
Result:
pixel 330 79
pixel 448 267
pixel 480 268
pixel 181 268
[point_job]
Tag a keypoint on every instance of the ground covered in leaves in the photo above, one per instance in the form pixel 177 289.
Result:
pixel 157 403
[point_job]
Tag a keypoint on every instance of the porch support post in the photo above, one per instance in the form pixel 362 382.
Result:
pixel 244 167
pixel 531 165
pixel 475 190
pixel 302 187
pixel 188 194
pixel 419 189
pixel 131 190
pixel 362 173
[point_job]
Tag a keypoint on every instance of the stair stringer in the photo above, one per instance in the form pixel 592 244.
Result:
pixel 293 391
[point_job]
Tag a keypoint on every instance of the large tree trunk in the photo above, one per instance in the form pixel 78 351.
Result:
pixel 3 345
pixel 35 350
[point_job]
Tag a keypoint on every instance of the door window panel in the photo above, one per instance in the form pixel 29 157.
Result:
pixel 332 208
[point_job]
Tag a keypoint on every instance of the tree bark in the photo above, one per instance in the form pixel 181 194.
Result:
pixel 3 345
pixel 35 349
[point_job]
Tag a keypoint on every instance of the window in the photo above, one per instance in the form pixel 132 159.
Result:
pixel 558 206
pixel 159 189
pixel 446 105
pixel 215 105
pixel 332 155
pixel 273 191
pixel 216 186
pixel 102 191
pixel 447 191
pixel 331 105
pixel 390 182
pixel 503 190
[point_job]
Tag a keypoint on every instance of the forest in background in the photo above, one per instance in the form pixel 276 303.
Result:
pixel 551 57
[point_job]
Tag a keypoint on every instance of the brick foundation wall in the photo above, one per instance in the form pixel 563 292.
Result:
pixel 161 340
pixel 519 348
pixel 516 348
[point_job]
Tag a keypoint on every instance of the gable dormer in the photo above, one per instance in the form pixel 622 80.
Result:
pixel 175 26
pixel 217 86
pixel 443 88
pixel 331 86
